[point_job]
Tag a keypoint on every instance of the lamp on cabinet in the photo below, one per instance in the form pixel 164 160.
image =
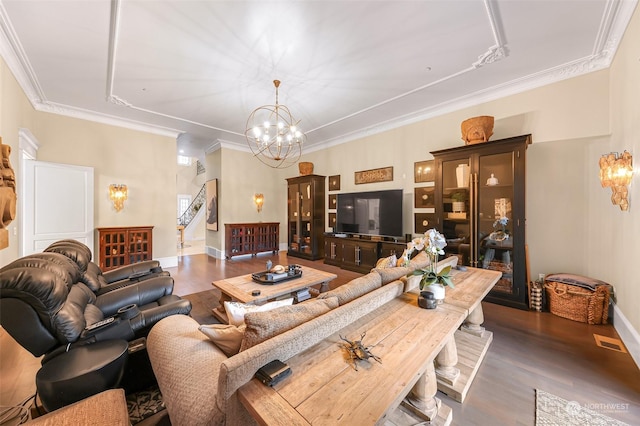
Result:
pixel 118 193
pixel 258 200
pixel 616 171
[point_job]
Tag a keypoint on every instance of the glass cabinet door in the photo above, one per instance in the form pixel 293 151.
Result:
pixel 495 187
pixel 456 208
pixel 294 218
pixel 306 208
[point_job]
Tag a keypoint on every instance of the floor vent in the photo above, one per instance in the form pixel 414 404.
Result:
pixel 609 343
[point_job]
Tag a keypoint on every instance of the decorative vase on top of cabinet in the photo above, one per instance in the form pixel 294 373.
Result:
pixel 488 231
pixel 306 212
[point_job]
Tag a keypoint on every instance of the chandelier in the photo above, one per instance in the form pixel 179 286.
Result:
pixel 273 135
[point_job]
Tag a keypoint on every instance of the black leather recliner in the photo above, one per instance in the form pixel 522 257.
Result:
pixel 103 282
pixel 46 308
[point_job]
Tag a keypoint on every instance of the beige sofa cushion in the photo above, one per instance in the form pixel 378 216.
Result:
pixel 261 326
pixel 391 274
pixel 227 337
pixel 354 288
pixel 420 261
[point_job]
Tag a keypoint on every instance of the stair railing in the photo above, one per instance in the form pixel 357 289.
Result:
pixel 193 208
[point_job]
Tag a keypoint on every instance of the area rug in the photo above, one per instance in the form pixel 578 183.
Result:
pixel 144 404
pixel 552 410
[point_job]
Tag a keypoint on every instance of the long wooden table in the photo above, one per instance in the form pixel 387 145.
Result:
pixel 241 288
pixel 325 389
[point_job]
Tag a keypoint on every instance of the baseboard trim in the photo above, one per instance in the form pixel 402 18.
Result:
pixel 627 333
pixel 168 262
pixel 214 252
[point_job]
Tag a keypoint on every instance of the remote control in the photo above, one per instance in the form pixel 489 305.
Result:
pixel 100 323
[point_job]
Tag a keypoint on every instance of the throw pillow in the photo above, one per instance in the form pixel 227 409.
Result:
pixel 236 310
pixel 227 337
pixel 262 326
pixel 403 259
pixel 387 262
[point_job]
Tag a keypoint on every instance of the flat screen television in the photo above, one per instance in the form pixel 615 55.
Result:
pixel 370 213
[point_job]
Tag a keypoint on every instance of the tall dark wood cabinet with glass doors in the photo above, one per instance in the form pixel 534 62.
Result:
pixel 306 226
pixel 480 209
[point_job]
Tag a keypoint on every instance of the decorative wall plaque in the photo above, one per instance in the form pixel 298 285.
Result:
pixel 332 220
pixel 424 221
pixel 425 197
pixel 333 202
pixel 383 174
pixel 334 183
pixel 424 171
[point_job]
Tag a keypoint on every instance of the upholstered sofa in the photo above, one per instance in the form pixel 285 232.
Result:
pixel 199 382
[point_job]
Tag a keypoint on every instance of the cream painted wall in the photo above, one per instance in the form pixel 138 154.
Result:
pixel 145 162
pixel 556 166
pixel 614 243
pixel 242 177
pixel 571 224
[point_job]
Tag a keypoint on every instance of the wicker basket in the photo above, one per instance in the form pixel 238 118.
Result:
pixel 578 304
pixel 305 167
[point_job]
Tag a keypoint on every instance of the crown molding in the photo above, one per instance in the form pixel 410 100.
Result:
pixel 84 114
pixel 614 22
pixel 17 61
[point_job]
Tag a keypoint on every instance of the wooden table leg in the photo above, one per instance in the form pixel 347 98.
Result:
pixel 324 287
pixel 447 359
pixel 219 312
pixel 473 322
pixel 422 399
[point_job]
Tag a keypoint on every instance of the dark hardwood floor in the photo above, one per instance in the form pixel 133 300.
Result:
pixel 529 351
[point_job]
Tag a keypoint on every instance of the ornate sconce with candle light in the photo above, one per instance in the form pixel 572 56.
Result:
pixel 118 193
pixel 616 171
pixel 258 200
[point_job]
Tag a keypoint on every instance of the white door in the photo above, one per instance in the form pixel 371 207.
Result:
pixel 58 204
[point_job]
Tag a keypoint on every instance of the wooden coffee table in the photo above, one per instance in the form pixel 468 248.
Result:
pixel 240 288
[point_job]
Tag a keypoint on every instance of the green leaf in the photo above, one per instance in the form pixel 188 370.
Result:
pixel 447 281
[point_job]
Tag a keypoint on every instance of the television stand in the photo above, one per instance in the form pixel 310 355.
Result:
pixel 358 254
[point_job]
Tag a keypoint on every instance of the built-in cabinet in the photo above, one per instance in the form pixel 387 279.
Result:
pixel 356 254
pixel 120 246
pixel 480 192
pixel 306 216
pixel 251 238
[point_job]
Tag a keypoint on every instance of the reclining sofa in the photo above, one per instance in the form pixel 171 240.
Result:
pixel 60 305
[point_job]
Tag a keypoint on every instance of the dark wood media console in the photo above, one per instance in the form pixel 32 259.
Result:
pixel 358 254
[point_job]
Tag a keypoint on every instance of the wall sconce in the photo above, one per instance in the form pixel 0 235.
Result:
pixel 258 200
pixel 616 172
pixel 118 193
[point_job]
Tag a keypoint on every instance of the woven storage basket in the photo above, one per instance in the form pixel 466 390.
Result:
pixel 578 304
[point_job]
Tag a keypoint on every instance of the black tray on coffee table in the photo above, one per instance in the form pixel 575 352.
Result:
pixel 269 278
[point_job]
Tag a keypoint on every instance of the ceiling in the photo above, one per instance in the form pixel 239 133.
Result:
pixel 196 69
